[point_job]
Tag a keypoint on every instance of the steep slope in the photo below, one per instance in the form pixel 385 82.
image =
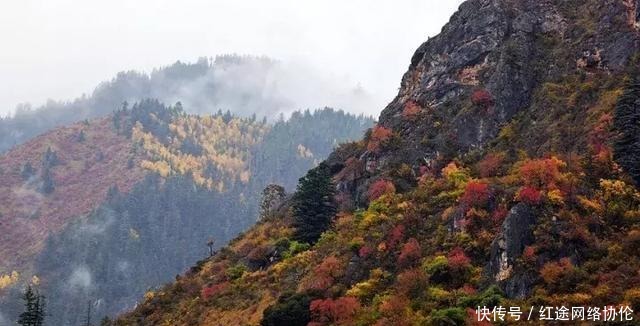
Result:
pixel 490 180
pixel 139 192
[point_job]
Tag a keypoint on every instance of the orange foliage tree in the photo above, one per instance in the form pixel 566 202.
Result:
pixel 490 165
pixel 410 253
pixel 552 272
pixel 379 135
pixel 542 173
pixel 333 312
pixel 379 188
pixel 476 194
pixel 457 259
pixel 326 273
pixel 530 196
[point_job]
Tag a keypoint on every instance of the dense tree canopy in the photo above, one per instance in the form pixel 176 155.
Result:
pixel 313 205
pixel 627 123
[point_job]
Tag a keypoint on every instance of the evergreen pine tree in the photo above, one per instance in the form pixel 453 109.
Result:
pixel 49 159
pixel 87 320
pixel 40 310
pixel 81 136
pixel 627 123
pixel 47 186
pixel 27 171
pixel 313 206
pixel 34 304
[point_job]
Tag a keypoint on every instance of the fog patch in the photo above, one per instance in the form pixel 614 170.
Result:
pixel 28 200
pixel 123 266
pixel 248 85
pixel 4 320
pixel 95 226
pixel 80 279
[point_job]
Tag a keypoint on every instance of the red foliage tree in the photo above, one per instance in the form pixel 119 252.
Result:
pixel 490 165
pixel 365 251
pixel 482 98
pixel 530 196
pixel 379 188
pixel 423 169
pixel 411 110
pixel 457 259
pixel 468 289
pixel 213 290
pixel 411 282
pixel 599 138
pixel 396 235
pixel 394 305
pixel 542 173
pixel 410 253
pixel 379 135
pixel 476 194
pixel 499 214
pixel 473 319
pixel 529 254
pixel 330 311
pixel 326 273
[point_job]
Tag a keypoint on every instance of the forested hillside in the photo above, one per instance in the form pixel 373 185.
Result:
pixel 503 174
pixel 243 84
pixel 97 213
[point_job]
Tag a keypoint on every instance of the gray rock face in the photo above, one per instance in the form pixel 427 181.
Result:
pixel 506 49
pixel 516 234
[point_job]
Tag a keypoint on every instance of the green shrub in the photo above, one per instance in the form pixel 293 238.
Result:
pixel 236 271
pixel 449 316
pixel 291 309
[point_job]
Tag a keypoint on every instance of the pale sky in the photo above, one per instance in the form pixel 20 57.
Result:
pixel 60 49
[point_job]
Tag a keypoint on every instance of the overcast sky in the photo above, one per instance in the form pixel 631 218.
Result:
pixel 60 49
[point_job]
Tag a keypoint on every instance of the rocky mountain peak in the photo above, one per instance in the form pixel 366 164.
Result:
pixel 488 61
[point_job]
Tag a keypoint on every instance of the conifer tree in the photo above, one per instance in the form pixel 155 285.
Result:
pixel 87 320
pixel 27 171
pixel 34 308
pixel 313 206
pixel 47 186
pixel 627 124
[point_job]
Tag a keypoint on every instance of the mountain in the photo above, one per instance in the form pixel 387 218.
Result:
pixel 103 209
pixel 243 84
pixel 503 174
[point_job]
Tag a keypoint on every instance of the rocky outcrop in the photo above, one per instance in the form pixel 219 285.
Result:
pixel 486 64
pixel 516 234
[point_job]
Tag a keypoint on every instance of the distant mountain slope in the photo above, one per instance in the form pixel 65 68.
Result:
pixel 245 85
pixel 502 175
pixel 90 157
pixel 140 192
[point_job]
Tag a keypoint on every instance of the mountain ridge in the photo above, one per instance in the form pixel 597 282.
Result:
pixel 489 180
pixel 141 189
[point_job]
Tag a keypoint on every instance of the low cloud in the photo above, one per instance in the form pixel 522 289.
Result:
pixel 4 320
pixel 80 279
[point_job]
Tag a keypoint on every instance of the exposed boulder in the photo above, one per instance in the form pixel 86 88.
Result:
pixel 516 234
